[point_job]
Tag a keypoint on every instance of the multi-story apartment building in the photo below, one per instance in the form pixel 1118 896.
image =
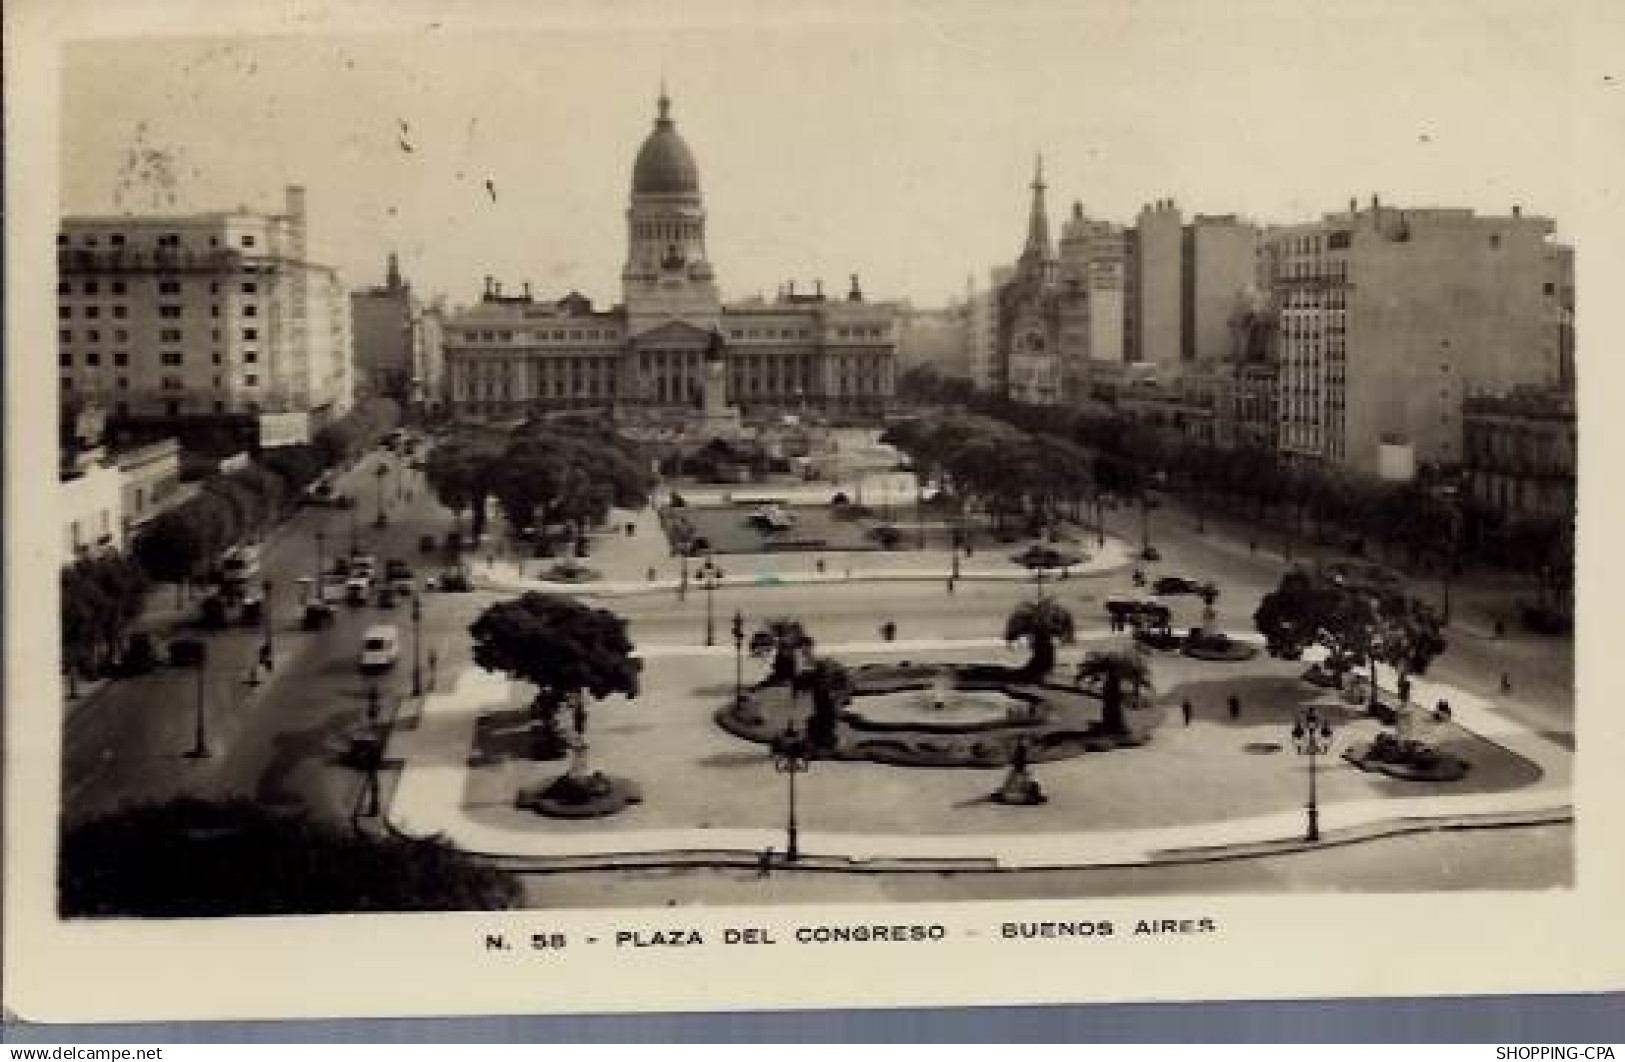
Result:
pixel 511 354
pixel 1520 451
pixel 1091 297
pixel 1389 317
pixel 215 316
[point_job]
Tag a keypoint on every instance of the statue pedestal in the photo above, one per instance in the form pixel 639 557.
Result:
pixel 1020 788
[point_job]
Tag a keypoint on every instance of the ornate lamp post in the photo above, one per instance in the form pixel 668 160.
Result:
pixel 710 575
pixel 739 657
pixel 417 642
pixel 379 473
pixel 268 654
pixel 682 579
pixel 200 738
pixel 1313 737
pixel 791 756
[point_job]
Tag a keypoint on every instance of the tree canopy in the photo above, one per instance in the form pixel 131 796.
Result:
pixel 190 858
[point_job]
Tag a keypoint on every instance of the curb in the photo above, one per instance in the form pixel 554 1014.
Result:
pixel 735 858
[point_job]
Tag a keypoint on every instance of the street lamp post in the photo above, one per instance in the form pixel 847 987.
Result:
pixel 269 654
pixel 1313 737
pixel 316 583
pixel 379 473
pixel 739 657
pixel 710 575
pixel 417 642
pixel 355 529
pixel 958 542
pixel 682 579
pixel 200 739
pixel 791 756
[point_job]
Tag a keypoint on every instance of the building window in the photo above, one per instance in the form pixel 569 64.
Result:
pixel 169 335
pixel 93 357
pixel 121 357
pixel 65 360
pixel 169 311
pixel 120 335
pixel 250 334
pixel 118 287
pixel 250 310
pixel 116 239
pixel 92 288
pixel 123 383
pixel 169 287
pixel 123 409
pixel 248 241
pixel 219 406
pixel 251 356
pixel 217 357
pixel 64 312
pixel 249 287
pixel 251 380
pixel 214 311
pixel 93 336
pixel 67 383
pixel 65 336
pixel 172 408
pixel 121 312
pixel 170 357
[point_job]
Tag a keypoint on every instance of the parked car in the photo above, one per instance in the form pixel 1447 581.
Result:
pixel 187 652
pixel 214 613
pixel 252 612
pixel 355 592
pixel 386 596
pixel 454 581
pixel 427 544
pixel 318 616
pixel 380 648
pixel 1176 584
pixel 396 569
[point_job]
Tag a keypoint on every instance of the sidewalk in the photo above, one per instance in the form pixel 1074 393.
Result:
pixel 429 800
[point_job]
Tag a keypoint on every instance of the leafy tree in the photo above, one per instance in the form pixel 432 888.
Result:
pixel 1406 635
pixel 189 858
pixel 830 684
pixel 1041 624
pixel 173 546
pixel 562 647
pixel 787 641
pixel 1115 670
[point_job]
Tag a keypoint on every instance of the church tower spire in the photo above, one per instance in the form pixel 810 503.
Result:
pixel 1038 254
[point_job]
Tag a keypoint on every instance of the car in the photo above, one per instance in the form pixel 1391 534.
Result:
pixel 187 652
pixel 454 581
pixel 1176 584
pixel 252 612
pixel 395 569
pixel 363 566
pixel 343 501
pixel 240 565
pixel 380 648
pixel 213 613
pixel 386 596
pixel 1150 553
pixel 318 616
pixel 427 544
pixel 355 591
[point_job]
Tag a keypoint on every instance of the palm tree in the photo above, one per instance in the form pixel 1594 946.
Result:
pixel 1041 624
pixel 788 642
pixel 1115 670
pixel 830 684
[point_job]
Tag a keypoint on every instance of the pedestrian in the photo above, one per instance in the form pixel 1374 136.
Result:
pixel 1506 682
pixel 950 585
pixel 1442 710
pixel 1234 704
pixel 1185 709
pixel 1500 628
pixel 764 862
pixel 434 663
pixel 1252 545
pixel 651 575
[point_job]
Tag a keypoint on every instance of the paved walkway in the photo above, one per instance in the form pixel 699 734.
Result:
pixel 429 800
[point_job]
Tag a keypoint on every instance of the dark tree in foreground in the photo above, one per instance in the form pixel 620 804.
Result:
pixel 562 647
pixel 1041 624
pixel 195 859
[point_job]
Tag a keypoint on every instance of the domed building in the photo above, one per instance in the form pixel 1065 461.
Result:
pixel 672 341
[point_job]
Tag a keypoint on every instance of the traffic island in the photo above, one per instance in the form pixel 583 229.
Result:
pixel 1407 760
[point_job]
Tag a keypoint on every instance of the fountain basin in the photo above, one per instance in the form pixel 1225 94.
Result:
pixel 942 708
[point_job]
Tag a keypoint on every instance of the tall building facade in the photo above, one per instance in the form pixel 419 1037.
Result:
pixel 383 321
pixel 1390 317
pixel 214 316
pixel 509 354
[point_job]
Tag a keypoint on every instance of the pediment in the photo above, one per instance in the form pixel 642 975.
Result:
pixel 673 333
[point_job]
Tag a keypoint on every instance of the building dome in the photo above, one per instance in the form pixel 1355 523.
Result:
pixel 665 165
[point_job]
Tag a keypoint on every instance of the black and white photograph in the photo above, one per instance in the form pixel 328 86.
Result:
pixel 659 465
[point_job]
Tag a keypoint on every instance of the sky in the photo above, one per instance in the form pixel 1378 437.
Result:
pixel 892 140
